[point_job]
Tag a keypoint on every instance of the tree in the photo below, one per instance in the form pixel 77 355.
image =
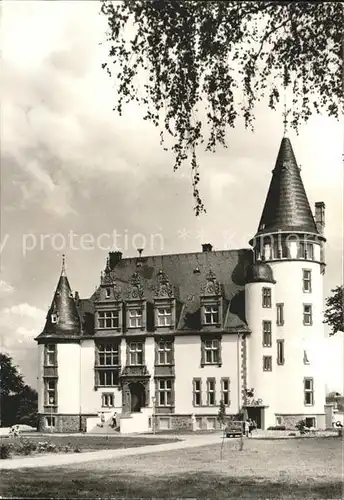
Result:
pixel 221 417
pixel 207 63
pixel 334 312
pixel 18 401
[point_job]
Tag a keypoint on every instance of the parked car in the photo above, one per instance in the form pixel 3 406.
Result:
pixel 234 428
pixel 23 428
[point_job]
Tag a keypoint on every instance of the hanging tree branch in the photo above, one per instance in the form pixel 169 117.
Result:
pixel 206 63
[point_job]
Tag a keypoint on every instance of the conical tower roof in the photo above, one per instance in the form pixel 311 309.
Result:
pixel 63 318
pixel 286 206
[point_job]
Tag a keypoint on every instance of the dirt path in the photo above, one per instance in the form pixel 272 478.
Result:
pixel 73 458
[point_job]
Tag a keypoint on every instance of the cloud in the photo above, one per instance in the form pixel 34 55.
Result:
pixel 5 288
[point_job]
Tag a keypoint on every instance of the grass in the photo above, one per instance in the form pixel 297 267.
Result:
pixel 283 469
pixel 90 443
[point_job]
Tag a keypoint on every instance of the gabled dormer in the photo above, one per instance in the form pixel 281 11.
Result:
pixel 164 304
pixel 108 304
pixel 211 302
pixel 136 306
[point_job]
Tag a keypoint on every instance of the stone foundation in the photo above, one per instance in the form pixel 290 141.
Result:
pixel 291 420
pixel 63 423
pixel 205 422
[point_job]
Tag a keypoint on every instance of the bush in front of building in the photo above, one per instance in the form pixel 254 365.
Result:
pixel 5 451
pixel 301 427
pixel 277 428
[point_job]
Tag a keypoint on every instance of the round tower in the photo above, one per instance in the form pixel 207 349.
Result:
pixel 287 363
pixel 59 362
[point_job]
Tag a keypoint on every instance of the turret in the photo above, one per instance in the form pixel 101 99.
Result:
pixel 284 294
pixel 60 361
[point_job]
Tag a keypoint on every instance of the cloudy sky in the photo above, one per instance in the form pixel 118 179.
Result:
pixel 71 167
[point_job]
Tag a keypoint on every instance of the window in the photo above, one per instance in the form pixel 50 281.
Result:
pixel 164 315
pixel 50 421
pixel 50 355
pixel 310 422
pixel 267 251
pixel 164 352
pixel 280 352
pixel 211 400
pixel 197 392
pixel 108 400
pixel 108 378
pixel 53 318
pixel 107 293
pixel 211 315
pixel 305 358
pixel 108 319
pixel 266 297
pixel 309 391
pixel 306 251
pixel 164 392
pixel 135 353
pixel 307 314
pixel 307 280
pixel 267 333
pixel 225 391
pixel 50 392
pixel 280 314
pixel 108 354
pixel 267 363
pixel 211 348
pixel 135 318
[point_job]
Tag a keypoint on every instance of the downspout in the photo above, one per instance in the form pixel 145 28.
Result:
pixel 239 370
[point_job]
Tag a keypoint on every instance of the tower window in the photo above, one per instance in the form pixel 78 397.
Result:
pixel 53 318
pixel 280 314
pixel 280 352
pixel 307 280
pixel 267 333
pixel 308 384
pixel 266 297
pixel 50 355
pixel 267 363
pixel 50 392
pixel 306 251
pixel 307 314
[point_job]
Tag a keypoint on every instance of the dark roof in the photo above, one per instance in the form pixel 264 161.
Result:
pixel 187 274
pixel 286 206
pixel 260 272
pixel 63 306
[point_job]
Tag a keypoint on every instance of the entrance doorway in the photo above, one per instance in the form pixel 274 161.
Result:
pixel 256 413
pixel 137 396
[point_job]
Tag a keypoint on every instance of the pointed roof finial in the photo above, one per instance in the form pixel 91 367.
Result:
pixel 63 269
pixel 285 111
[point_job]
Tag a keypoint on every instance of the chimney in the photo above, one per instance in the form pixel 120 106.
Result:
pixel 207 247
pixel 320 216
pixel 114 259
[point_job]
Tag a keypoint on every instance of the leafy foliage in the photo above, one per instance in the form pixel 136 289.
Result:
pixel 221 417
pixel 301 427
pixel 18 401
pixel 334 312
pixel 206 64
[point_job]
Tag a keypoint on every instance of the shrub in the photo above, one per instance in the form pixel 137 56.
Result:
pixel 77 449
pixel 5 451
pixel 301 426
pixel 292 434
pixel 276 428
pixel 24 447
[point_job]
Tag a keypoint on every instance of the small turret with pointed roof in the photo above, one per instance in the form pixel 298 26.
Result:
pixel 63 318
pixel 286 206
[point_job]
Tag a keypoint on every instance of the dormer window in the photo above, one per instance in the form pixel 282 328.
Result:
pixel 108 319
pixel 164 316
pixel 108 293
pixel 135 318
pixel 211 314
pixel 53 318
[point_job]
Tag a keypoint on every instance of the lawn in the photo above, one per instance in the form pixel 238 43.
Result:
pixel 83 443
pixel 283 469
